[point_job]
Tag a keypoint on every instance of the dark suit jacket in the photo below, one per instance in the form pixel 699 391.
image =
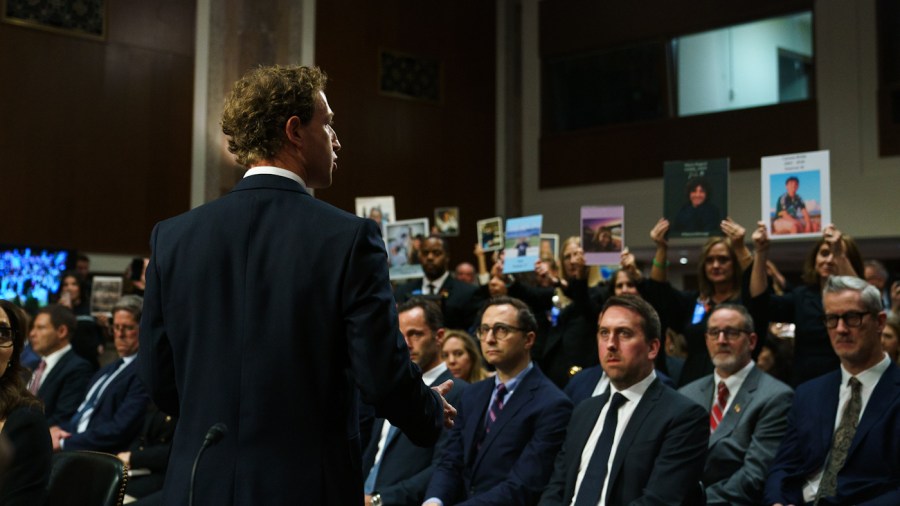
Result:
pixel 659 458
pixel 406 468
pixel 459 306
pixel 582 385
pixel 871 473
pixel 24 481
pixel 516 457
pixel 63 389
pixel 744 443
pixel 118 413
pixel 262 310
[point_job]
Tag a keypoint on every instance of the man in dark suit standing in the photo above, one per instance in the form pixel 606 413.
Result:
pixel 459 301
pixel 748 410
pixel 509 427
pixel 112 411
pixel 641 442
pixel 842 445
pixel 396 470
pixel 61 378
pixel 267 308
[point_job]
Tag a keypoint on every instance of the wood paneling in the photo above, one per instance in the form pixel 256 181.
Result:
pixel 425 154
pixel 95 136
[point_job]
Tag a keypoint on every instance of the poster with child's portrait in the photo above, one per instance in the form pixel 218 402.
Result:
pixel 602 234
pixel 378 209
pixel 549 247
pixel 696 197
pixel 446 221
pixel 796 197
pixel 490 234
pixel 402 240
pixel 523 243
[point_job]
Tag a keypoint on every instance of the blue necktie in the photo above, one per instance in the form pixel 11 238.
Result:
pixel 92 400
pixel 369 485
pixel 592 483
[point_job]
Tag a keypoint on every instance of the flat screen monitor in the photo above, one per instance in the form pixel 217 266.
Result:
pixel 29 275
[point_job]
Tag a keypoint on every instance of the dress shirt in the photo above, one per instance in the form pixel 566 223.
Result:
pixel 634 393
pixel 437 283
pixel 275 171
pixel 733 383
pixel 602 385
pixel 510 384
pixel 869 378
pixel 427 378
pixel 53 359
pixel 101 384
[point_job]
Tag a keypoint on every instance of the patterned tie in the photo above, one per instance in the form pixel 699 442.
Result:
pixel 36 378
pixel 718 410
pixel 496 408
pixel 843 436
pixel 592 483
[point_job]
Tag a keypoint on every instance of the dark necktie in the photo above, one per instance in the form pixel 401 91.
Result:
pixel 493 411
pixel 88 407
pixel 592 483
pixel 430 289
pixel 718 411
pixel 843 436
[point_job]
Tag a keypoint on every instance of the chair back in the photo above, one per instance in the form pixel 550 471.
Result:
pixel 85 478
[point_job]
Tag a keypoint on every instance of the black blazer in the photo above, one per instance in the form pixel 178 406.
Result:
pixel 63 389
pixel 406 468
pixel 659 459
pixel 460 302
pixel 24 482
pixel 264 310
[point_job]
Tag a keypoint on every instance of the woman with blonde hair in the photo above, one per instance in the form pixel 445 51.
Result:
pixel 462 356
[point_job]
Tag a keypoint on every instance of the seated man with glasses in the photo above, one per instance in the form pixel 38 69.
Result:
pixel 842 445
pixel 747 410
pixel 509 427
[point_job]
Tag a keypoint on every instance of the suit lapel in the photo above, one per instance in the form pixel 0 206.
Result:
pixel 884 394
pixel 476 407
pixel 58 369
pixel 645 407
pixel 740 404
pixel 829 408
pixel 580 435
pixel 522 396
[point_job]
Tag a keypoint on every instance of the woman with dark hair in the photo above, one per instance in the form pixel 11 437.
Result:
pixel 23 427
pixel 720 279
pixel 72 293
pixel 833 254
pixel 698 214
pixel 462 356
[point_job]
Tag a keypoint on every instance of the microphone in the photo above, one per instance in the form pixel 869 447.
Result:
pixel 215 434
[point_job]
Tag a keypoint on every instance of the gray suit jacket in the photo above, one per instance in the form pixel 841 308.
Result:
pixel 745 442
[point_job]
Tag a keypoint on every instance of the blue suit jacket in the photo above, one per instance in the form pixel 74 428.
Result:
pixel 516 457
pixel 659 458
pixel 264 310
pixel 871 473
pixel 63 389
pixel 406 468
pixel 118 413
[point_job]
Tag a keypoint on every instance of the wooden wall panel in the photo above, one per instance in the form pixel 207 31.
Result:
pixel 425 154
pixel 95 136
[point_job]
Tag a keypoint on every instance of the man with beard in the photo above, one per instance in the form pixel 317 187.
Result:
pixel 458 301
pixel 748 410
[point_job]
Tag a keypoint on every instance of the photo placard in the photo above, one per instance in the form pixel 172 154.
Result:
pixel 695 199
pixel 796 194
pixel 523 243
pixel 602 234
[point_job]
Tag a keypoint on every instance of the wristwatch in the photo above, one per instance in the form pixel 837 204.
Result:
pixel 376 499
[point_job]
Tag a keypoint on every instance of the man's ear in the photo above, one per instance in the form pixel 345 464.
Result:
pixel 293 129
pixel 439 336
pixel 63 332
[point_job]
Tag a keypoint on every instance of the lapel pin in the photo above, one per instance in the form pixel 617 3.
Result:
pixel 737 408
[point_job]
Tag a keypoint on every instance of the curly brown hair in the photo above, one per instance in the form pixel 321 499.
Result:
pixel 13 392
pixel 260 104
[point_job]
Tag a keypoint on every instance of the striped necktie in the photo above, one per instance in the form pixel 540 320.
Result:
pixel 718 410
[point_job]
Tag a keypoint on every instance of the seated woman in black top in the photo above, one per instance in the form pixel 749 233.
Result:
pixel 22 424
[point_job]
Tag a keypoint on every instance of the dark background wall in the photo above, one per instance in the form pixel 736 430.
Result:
pixel 425 154
pixel 95 135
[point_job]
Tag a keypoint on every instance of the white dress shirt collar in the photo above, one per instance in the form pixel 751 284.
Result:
pixel 274 171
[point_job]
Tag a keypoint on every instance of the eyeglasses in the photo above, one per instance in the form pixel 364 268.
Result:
pixel 851 319
pixel 6 337
pixel 731 334
pixel 501 331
